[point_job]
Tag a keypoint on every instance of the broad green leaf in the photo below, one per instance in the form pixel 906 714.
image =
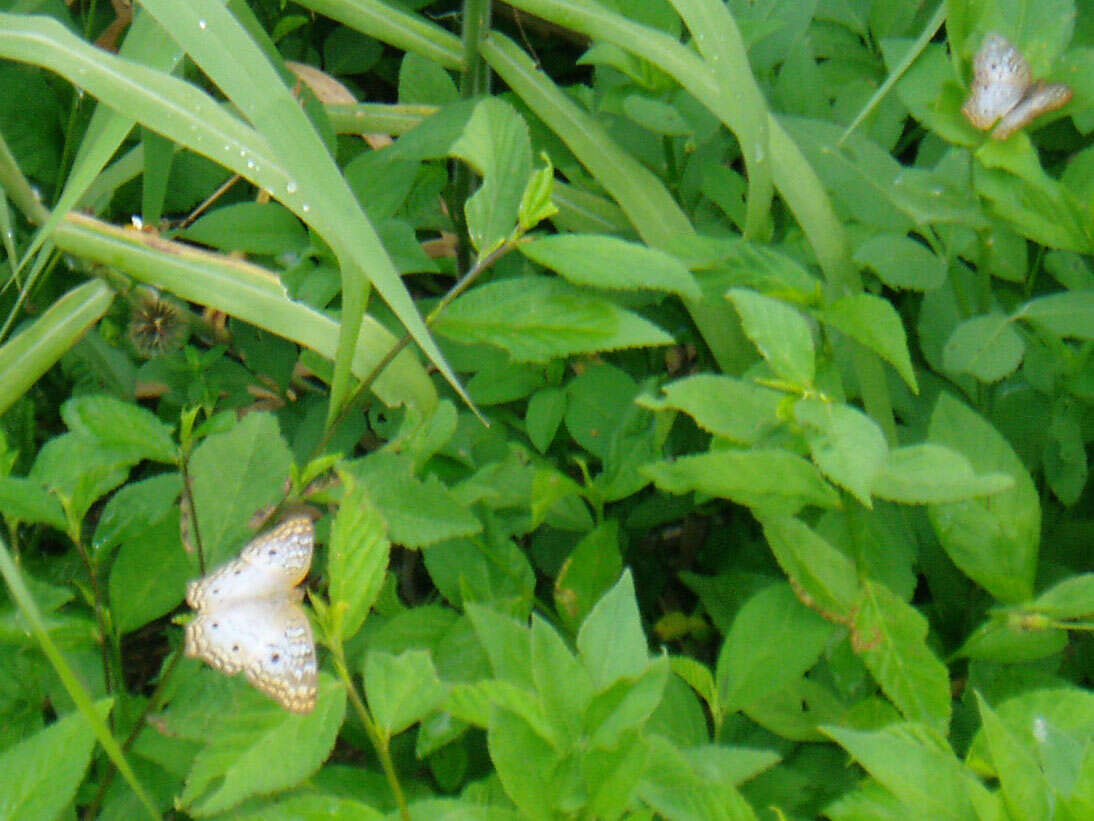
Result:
pixel 553 662
pixel 121 426
pixel 774 639
pixel 507 644
pixel 257 228
pixel 513 743
pixel 1012 641
pixel 148 576
pixel 611 642
pixel 735 409
pixel 27 501
pixel 234 474
pixel 588 572
pixel 133 509
pixel 537 319
pixel 1023 785
pixel 496 144
pixel 993 540
pixel 625 705
pixel 546 408
pixel 241 745
pixel 770 480
pixel 418 512
pixel 676 786
pixel 986 346
pixel 79 470
pixel 934 474
pixel 819 570
pixel 1068 314
pixel 488 568
pixel 916 766
pixel 891 638
pixel 1073 598
pixel 901 262
pixel 597 401
pixel 1039 209
pixel 611 775
pixel 401 690
pixel 612 264
pixel 39 775
pixel 846 444
pixel 357 557
pixel 780 333
pixel 308 806
pixel 873 322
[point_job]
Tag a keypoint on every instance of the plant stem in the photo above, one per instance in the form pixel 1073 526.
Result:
pixel 379 743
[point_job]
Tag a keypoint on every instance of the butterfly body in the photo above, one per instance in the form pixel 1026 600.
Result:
pixel 249 618
pixel 1004 92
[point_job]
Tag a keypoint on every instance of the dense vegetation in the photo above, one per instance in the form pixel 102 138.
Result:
pixel 694 405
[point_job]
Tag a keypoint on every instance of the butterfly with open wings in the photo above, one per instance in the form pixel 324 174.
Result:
pixel 249 618
pixel 1003 90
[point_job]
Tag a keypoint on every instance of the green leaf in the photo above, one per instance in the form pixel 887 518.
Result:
pixel 901 262
pixel 771 480
pixel 934 474
pixel 873 322
pixel 588 572
pixel 611 263
pixel 25 500
pixel 35 349
pixel 39 775
pixel 507 644
pixel 846 444
pixel 137 596
pixel 993 540
pixel 495 143
pixel 241 745
pixel 234 474
pixel 552 663
pixel 916 766
pixel 986 346
pixel 1023 784
pixel 1073 598
pixel 133 509
pixel 625 705
pixel 358 555
pixel 401 690
pixel 781 334
pixel 611 775
pixel 537 319
pixel 418 513
pixel 487 568
pixel 513 743
pixel 79 470
pixel 774 639
pixel 1068 314
pixel 256 228
pixel 890 637
pixel 821 571
pixel 732 408
pixel 536 204
pixel 122 427
pixel 611 642
pixel 543 415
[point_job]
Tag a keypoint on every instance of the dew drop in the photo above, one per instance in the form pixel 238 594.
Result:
pixel 202 25
pixel 291 187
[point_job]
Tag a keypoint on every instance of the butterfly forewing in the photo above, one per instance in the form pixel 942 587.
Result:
pixel 248 617
pixel 273 563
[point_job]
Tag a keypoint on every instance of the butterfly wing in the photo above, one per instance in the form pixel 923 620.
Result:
pixel 1044 97
pixel 275 562
pixel 1001 78
pixel 270 640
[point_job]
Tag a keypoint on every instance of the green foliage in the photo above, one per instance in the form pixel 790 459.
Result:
pixel 695 410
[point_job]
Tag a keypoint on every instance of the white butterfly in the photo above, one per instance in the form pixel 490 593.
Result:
pixel 248 616
pixel 1003 89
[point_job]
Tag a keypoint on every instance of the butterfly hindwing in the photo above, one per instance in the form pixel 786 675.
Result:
pixel 269 640
pixel 249 619
pixel 1044 97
